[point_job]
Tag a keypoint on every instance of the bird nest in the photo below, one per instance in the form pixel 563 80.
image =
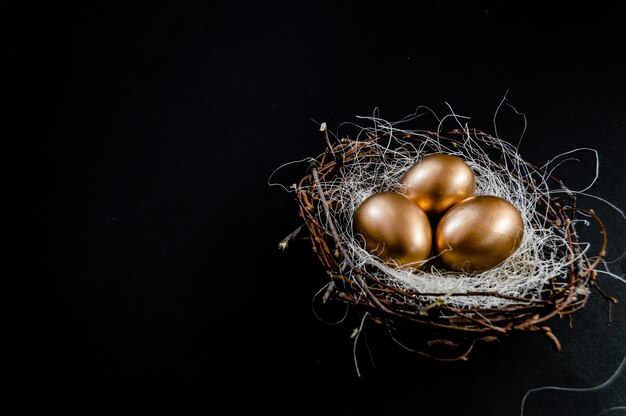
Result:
pixel 431 311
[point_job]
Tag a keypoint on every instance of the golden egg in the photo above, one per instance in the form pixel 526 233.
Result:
pixel 393 228
pixel 478 233
pixel 437 182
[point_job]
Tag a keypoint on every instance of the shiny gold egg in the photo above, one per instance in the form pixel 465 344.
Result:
pixel 393 228
pixel 437 182
pixel 478 233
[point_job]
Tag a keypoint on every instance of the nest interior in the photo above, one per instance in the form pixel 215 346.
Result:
pixel 432 323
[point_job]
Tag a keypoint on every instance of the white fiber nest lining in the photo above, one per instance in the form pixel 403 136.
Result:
pixel 544 253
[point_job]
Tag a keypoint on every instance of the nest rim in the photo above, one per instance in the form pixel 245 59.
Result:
pixel 454 331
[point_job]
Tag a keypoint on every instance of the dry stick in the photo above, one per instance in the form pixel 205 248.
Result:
pixel 333 230
pixel 284 243
pixel 547 331
pixel 462 356
pixel 609 298
pixel 413 317
pixel 324 130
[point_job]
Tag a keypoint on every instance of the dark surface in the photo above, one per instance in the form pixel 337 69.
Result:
pixel 143 230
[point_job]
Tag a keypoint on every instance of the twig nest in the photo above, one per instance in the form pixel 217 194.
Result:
pixel 506 260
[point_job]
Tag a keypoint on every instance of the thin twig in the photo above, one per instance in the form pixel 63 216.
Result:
pixel 284 243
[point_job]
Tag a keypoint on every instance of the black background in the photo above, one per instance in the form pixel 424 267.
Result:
pixel 143 232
